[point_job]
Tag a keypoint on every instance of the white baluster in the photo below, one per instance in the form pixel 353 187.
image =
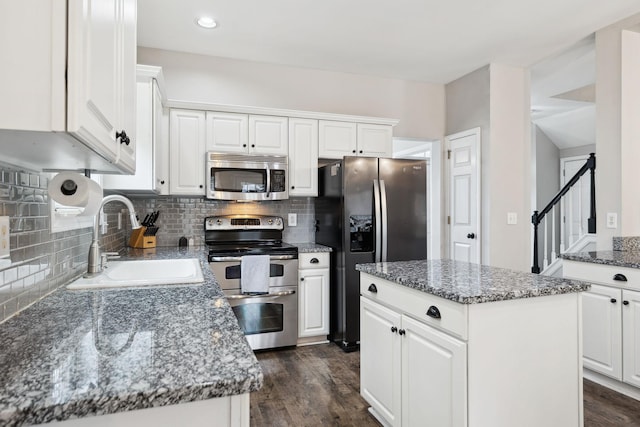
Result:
pixel 545 263
pixel 580 201
pixel 569 217
pixel 554 255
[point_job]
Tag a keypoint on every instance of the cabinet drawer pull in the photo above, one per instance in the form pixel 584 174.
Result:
pixel 314 261
pixel 620 277
pixel 402 332
pixel 625 302
pixel 394 329
pixel 613 300
pixel 434 312
pixel 372 288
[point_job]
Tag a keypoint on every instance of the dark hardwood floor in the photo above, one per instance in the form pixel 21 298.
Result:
pixel 319 385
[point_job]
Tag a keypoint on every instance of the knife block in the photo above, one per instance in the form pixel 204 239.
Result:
pixel 139 240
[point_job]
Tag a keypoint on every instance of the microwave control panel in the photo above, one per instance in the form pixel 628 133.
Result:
pixel 278 183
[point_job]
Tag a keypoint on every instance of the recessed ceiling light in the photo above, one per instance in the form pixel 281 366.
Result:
pixel 206 22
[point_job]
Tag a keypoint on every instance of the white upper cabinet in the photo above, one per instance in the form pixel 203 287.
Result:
pixel 72 73
pixel 247 134
pixel 336 139
pixel 339 139
pixel 187 148
pixel 227 132
pixel 303 157
pixel 374 140
pixel 152 146
pixel 268 135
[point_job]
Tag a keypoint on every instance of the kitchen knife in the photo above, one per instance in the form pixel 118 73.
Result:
pixel 144 222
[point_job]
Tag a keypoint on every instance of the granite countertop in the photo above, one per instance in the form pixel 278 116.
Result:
pixel 467 283
pixel 82 353
pixel 629 259
pixel 305 248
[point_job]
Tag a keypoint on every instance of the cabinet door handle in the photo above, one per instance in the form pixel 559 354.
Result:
pixel 613 300
pixel 162 182
pixel 434 312
pixel 124 139
pixel 471 236
pixel 625 302
pixel 293 187
pixel 620 277
pixel 402 332
pixel 360 151
pixel 394 329
pixel 201 186
pixel 302 279
pixel 353 151
pixel 372 288
pixel 244 145
pixel 314 261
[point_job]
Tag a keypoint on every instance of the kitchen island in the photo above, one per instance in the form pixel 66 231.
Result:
pixel 461 344
pixel 166 355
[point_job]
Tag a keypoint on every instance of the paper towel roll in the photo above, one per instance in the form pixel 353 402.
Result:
pixel 73 189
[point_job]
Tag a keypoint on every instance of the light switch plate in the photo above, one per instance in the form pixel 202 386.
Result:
pixel 4 237
pixel 612 220
pixel 512 218
pixel 292 220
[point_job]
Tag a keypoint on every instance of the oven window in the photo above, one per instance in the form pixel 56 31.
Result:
pixel 239 180
pixel 260 318
pixel 233 272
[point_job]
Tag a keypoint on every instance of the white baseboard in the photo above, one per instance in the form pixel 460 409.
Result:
pixel 613 384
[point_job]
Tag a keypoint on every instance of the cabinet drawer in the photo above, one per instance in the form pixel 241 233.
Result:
pixel 313 260
pixel 604 274
pixel 453 316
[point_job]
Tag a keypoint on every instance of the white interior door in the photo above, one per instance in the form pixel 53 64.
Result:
pixel 464 195
pixel 575 206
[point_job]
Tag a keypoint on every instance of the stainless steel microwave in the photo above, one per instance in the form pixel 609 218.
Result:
pixel 244 177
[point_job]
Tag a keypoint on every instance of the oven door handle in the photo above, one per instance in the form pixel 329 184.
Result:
pixel 238 258
pixel 270 295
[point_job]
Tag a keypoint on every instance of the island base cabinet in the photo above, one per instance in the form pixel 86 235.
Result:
pixel 230 411
pixel 518 362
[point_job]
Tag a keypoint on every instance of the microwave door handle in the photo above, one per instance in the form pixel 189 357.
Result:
pixel 268 181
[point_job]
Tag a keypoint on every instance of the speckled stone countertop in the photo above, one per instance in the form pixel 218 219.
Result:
pixel 629 259
pixel 467 283
pixel 82 353
pixel 306 248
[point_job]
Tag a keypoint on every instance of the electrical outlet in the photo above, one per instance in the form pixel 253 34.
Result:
pixel 292 220
pixel 4 237
pixel 512 218
pixel 612 220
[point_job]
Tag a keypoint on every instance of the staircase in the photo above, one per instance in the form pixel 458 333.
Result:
pixel 546 220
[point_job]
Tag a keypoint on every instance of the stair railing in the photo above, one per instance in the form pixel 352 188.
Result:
pixel 537 217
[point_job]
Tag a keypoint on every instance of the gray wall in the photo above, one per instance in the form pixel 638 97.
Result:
pixel 547 185
pixel 578 151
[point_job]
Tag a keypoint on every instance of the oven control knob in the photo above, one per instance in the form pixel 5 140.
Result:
pixel 270 221
pixel 219 222
pixel 278 221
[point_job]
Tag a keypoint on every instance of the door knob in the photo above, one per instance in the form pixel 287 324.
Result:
pixel 471 236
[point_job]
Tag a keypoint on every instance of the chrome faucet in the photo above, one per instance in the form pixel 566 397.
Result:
pixel 95 256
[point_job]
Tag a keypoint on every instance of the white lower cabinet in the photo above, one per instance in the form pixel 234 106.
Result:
pixel 426 361
pixel 313 297
pixel 411 373
pixel 611 321
pixel 631 338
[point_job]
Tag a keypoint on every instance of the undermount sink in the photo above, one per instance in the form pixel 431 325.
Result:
pixel 139 273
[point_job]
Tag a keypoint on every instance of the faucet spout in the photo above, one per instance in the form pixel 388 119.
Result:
pixel 95 264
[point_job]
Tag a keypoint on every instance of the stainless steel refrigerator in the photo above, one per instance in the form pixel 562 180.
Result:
pixel 367 210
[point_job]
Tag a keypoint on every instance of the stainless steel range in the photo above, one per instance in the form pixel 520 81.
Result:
pixel 268 319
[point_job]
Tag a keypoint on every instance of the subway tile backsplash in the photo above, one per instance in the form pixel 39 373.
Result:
pixel 42 261
pixel 185 216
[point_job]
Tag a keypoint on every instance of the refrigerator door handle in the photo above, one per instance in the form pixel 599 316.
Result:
pixel 383 211
pixel 378 217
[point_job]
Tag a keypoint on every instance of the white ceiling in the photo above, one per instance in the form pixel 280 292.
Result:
pixel 425 40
